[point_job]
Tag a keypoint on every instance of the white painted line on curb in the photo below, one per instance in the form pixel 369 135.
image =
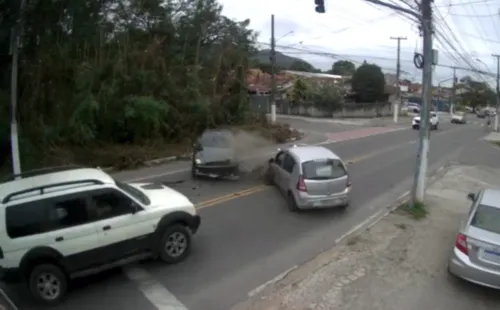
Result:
pixel 359 226
pixel 156 293
pixel 278 278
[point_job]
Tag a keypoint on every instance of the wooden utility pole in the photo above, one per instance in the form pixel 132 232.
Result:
pixel 453 91
pixel 398 104
pixel 498 92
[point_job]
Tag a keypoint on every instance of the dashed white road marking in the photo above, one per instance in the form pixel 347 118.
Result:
pixel 153 290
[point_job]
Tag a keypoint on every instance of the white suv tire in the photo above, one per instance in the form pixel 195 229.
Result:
pixel 175 244
pixel 48 284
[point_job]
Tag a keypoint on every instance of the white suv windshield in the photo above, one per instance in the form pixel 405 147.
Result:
pixel 433 114
pixel 134 192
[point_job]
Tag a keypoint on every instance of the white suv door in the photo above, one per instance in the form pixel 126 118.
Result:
pixel 62 223
pixel 124 227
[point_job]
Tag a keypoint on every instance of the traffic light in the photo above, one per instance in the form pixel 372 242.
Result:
pixel 320 6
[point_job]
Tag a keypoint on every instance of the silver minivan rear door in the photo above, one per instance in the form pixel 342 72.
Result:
pixel 324 176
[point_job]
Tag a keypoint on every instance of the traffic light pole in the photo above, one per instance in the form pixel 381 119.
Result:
pixel 273 72
pixel 14 49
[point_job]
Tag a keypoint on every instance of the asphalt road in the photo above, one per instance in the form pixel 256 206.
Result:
pixel 246 240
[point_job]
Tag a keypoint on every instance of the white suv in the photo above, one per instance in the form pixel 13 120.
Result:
pixel 66 223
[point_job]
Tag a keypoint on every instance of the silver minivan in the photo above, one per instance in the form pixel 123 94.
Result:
pixel 310 177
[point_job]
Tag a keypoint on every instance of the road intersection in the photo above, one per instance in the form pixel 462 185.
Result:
pixel 248 237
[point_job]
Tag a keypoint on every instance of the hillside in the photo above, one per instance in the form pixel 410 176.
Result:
pixel 284 61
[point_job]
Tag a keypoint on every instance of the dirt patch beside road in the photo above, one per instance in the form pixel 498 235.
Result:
pixel 400 263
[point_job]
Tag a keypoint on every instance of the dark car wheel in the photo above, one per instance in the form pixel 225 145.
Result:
pixel 194 175
pixel 47 284
pixel 291 203
pixel 268 176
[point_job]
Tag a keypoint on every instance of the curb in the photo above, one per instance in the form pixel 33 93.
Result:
pixel 185 156
pixel 377 217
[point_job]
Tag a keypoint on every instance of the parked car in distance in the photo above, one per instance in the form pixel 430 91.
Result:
pixel 310 177
pixel 214 155
pixel 433 121
pixel 459 118
pixel 476 254
pixel 63 223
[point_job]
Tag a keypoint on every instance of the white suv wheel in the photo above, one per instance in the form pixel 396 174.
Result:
pixel 175 244
pixel 47 284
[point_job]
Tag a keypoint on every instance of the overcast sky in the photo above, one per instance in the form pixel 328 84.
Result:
pixel 467 30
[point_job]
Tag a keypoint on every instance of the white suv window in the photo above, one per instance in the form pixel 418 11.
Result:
pixel 68 213
pixel 111 204
pixel 26 219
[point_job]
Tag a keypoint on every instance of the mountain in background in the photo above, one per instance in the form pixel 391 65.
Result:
pixel 284 61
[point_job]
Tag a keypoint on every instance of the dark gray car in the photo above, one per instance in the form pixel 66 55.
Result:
pixel 214 155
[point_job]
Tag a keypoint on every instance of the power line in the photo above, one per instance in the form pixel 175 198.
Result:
pixel 464 3
pixel 475 16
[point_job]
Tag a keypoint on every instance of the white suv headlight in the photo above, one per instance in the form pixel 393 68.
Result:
pixel 198 161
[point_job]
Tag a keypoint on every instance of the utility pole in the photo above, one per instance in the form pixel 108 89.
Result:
pixel 498 92
pixel 14 50
pixel 398 72
pixel 273 72
pixel 453 91
pixel 418 190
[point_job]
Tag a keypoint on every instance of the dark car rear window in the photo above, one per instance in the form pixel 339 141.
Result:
pixel 323 169
pixel 487 218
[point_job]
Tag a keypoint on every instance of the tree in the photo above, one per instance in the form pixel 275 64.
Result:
pixel 474 93
pixel 327 96
pixel 300 91
pixel 343 67
pixel 100 73
pixel 368 82
pixel 300 65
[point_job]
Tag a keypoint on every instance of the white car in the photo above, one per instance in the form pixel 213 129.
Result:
pixel 62 223
pixel 458 118
pixel 433 121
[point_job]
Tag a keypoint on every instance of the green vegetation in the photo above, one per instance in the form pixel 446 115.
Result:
pixel 368 82
pixel 475 93
pixel 419 210
pixel 110 81
pixel 343 67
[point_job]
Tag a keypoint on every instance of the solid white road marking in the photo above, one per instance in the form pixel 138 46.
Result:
pixel 154 291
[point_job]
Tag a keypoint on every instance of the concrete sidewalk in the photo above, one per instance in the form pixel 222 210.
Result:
pixel 399 263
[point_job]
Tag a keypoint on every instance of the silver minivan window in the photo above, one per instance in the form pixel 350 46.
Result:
pixel 487 218
pixel 323 169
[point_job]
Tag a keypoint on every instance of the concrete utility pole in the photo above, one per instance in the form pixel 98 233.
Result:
pixel 14 50
pixel 453 91
pixel 425 18
pixel 273 72
pixel 418 192
pixel 498 92
pixel 398 72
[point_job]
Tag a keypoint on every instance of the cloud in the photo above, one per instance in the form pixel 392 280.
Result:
pixel 355 27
